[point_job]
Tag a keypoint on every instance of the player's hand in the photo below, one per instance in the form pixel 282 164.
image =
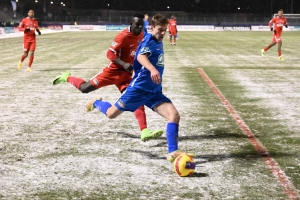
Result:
pixel 27 29
pixel 128 67
pixel 155 76
pixel 39 33
pixel 272 29
pixel 286 26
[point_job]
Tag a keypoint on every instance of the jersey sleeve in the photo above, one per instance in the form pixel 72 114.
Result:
pixel 117 43
pixel 37 25
pixel 271 22
pixel 145 48
pixel 21 26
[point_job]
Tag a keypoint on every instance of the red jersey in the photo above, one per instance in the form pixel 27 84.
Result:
pixel 125 45
pixel 172 25
pixel 33 25
pixel 278 23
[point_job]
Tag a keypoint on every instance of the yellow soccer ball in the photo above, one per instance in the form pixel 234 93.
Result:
pixel 184 165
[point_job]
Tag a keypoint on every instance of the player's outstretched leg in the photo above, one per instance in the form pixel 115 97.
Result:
pixel 62 78
pixel 146 134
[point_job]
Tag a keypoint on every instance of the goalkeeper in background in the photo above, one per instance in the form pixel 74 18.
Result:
pixel 29 25
pixel 276 24
pixel 119 70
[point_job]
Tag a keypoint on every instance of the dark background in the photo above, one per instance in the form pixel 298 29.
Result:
pixel 193 6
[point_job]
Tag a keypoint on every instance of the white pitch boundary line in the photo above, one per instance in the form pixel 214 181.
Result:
pixel 288 187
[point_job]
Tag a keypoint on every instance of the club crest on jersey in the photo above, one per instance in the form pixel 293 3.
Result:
pixel 121 104
pixel 160 61
pixel 114 44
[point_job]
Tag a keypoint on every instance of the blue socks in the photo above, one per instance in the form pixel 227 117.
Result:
pixel 172 135
pixel 102 106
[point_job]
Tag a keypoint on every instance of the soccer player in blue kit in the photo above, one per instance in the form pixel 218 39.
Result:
pixel 146 87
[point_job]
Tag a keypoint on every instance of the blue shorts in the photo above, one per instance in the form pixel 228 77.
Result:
pixel 132 98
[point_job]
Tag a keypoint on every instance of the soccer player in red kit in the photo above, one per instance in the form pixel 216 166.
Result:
pixel 119 70
pixel 172 29
pixel 29 25
pixel 276 24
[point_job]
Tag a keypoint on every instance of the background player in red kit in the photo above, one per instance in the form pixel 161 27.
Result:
pixel 119 70
pixel 172 29
pixel 276 24
pixel 29 25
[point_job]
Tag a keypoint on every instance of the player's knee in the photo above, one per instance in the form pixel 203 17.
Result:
pixel 86 87
pixel 175 117
pixel 84 90
pixel 111 115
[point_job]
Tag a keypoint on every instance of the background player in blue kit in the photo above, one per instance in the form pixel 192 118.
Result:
pixel 146 23
pixel 146 88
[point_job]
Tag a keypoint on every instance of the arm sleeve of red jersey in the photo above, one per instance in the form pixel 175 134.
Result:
pixel 270 23
pixel 114 47
pixel 117 43
pixel 111 55
pixel 21 26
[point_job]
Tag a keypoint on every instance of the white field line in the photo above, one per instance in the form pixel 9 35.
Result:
pixel 288 187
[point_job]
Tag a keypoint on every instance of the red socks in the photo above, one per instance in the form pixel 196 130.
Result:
pixel 23 58
pixel 140 115
pixel 30 60
pixel 76 82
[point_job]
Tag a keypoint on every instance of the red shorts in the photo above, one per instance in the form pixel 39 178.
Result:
pixel 173 32
pixel 277 38
pixel 111 75
pixel 29 46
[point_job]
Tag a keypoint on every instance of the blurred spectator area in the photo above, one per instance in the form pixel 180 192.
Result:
pixel 64 14
pixel 106 16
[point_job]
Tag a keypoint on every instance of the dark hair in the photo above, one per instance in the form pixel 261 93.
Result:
pixel 138 15
pixel 159 19
pixel 280 10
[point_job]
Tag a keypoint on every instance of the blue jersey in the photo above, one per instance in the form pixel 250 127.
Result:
pixel 142 76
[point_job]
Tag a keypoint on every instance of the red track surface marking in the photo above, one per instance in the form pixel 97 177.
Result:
pixel 288 187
